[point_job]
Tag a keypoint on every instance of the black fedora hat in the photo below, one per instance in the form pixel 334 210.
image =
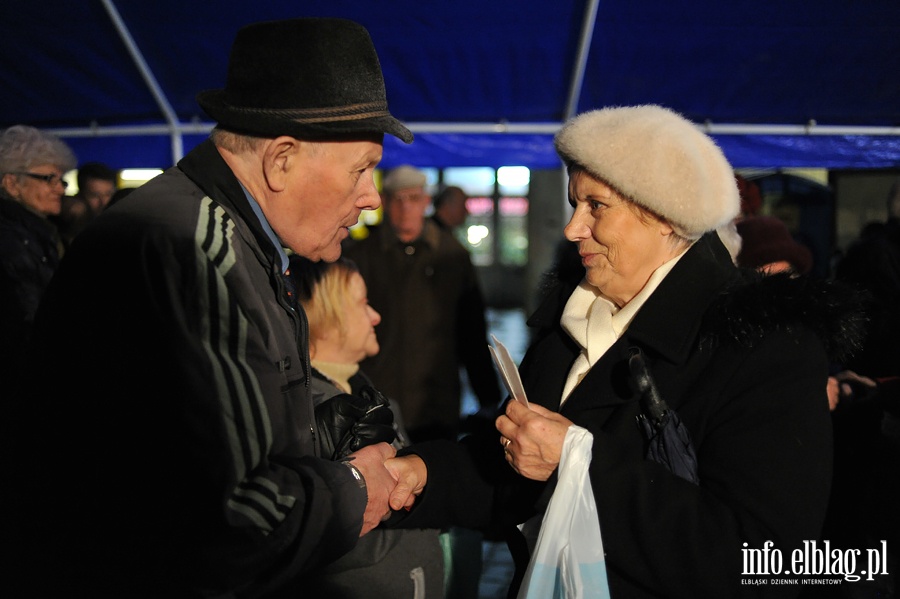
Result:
pixel 310 78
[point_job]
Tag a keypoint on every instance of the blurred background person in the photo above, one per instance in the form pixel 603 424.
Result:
pixel 96 185
pixel 422 281
pixel 865 399
pixel 385 564
pixel 872 263
pixel 32 164
pixel 766 245
pixel 450 210
pixel 857 404
pixel 751 197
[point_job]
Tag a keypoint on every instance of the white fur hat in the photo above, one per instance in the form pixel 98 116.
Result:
pixel 657 159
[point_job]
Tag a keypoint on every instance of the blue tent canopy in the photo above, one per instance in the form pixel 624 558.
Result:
pixel 778 83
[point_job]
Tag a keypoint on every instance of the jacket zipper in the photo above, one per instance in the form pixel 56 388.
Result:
pixel 301 337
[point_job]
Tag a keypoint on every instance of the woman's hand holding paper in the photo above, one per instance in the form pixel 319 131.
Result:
pixel 533 438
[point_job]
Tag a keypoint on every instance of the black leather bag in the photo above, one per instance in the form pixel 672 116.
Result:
pixel 347 423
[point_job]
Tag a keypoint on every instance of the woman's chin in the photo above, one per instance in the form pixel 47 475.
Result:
pixel 597 278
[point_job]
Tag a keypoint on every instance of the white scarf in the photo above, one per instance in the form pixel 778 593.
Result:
pixel 595 323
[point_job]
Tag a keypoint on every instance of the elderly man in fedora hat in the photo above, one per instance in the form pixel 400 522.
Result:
pixel 191 465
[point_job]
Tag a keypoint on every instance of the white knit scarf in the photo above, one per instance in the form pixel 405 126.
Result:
pixel 595 323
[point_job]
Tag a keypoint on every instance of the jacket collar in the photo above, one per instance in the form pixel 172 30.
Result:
pixel 686 292
pixel 667 324
pixel 208 170
pixel 16 211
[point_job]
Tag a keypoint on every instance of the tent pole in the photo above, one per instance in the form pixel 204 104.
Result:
pixel 584 46
pixel 149 79
pixel 576 84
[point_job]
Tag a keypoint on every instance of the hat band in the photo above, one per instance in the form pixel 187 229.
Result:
pixel 354 112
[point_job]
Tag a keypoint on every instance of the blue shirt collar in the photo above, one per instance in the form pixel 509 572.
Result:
pixel 267 228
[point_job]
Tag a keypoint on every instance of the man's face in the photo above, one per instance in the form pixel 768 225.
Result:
pixel 97 193
pixel 405 211
pixel 454 211
pixel 325 192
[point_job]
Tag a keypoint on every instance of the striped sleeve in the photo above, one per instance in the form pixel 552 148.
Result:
pixel 224 332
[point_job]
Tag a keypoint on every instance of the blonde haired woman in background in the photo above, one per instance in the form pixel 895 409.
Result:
pixel 385 563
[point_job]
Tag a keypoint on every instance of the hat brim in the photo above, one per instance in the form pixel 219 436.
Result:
pixel 272 125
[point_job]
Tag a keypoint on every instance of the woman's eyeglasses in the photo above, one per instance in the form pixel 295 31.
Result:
pixel 50 180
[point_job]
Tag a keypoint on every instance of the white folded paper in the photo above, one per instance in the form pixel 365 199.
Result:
pixel 508 370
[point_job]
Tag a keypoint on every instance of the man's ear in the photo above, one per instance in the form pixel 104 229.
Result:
pixel 280 155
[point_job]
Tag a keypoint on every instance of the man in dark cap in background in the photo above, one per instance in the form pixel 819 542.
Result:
pixel 190 465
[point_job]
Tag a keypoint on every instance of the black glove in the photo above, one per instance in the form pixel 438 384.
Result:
pixel 347 423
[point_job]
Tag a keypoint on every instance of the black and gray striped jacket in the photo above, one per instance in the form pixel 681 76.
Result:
pixel 175 384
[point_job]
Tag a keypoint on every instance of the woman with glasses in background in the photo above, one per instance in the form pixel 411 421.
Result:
pixel 32 164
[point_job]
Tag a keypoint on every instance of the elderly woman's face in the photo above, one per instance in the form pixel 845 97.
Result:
pixel 356 340
pixel 360 319
pixel 35 193
pixel 619 249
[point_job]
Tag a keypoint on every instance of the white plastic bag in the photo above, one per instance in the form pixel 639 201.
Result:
pixel 567 561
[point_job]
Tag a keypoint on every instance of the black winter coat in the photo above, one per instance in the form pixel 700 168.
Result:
pixel 167 446
pixel 385 564
pixel 744 361
pixel 29 255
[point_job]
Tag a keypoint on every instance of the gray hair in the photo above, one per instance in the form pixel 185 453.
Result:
pixel 236 143
pixel 23 147
pixel 240 143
